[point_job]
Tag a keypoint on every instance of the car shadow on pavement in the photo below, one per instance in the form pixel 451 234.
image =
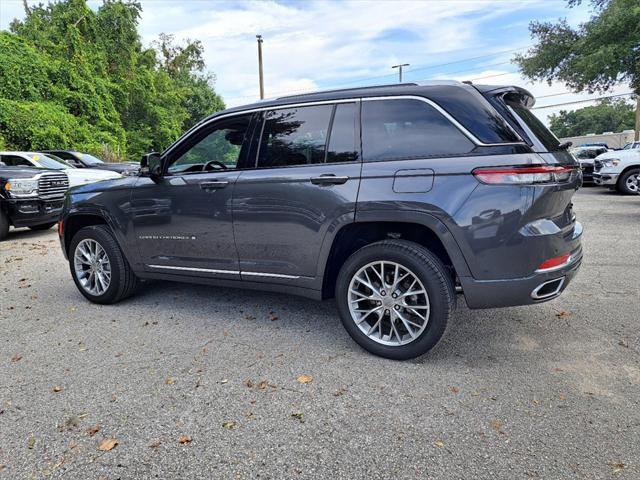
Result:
pixel 476 337
pixel 26 234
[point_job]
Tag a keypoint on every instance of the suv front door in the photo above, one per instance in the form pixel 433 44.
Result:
pixel 182 220
pixel 302 184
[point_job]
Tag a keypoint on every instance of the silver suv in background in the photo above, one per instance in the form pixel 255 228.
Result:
pixel 385 198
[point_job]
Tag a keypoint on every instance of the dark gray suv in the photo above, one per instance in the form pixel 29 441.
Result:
pixel 387 198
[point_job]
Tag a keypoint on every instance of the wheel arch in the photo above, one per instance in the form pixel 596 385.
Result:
pixel 421 228
pixel 623 172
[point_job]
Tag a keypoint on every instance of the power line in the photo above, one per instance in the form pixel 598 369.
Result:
pixel 425 67
pixel 583 101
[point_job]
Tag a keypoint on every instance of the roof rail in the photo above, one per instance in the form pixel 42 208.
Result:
pixel 348 89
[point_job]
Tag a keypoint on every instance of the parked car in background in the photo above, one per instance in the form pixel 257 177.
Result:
pixel 595 144
pixel 585 156
pixel 618 170
pixel 86 160
pixel 39 160
pixel 30 197
pixel 631 146
pixel 385 198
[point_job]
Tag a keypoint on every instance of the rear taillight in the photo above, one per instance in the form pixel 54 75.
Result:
pixel 527 174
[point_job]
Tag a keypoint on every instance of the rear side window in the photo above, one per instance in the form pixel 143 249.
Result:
pixel 542 133
pixel 395 129
pixel 343 145
pixel 294 136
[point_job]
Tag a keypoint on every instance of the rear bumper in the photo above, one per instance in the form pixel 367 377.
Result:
pixel 541 286
pixel 605 179
pixel 31 212
pixel 519 291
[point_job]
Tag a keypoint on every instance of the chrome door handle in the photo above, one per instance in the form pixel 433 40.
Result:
pixel 329 179
pixel 213 185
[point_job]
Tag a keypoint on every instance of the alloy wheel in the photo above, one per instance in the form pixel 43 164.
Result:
pixel 92 267
pixel 388 303
pixel 632 183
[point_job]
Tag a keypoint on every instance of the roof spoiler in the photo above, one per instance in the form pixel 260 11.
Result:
pixel 509 93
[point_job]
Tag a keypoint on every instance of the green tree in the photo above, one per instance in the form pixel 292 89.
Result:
pixel 595 56
pixel 72 77
pixel 607 116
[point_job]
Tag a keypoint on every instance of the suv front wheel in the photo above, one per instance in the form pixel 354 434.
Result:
pixel 98 267
pixel 395 298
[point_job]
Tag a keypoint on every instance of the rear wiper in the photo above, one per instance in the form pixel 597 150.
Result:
pixel 565 145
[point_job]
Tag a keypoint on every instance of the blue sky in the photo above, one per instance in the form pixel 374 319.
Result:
pixel 321 44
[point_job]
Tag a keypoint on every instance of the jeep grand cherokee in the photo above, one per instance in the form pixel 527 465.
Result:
pixel 387 198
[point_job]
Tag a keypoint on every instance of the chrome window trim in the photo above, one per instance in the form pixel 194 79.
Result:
pixel 428 101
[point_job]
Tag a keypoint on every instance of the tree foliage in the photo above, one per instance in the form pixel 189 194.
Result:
pixel 608 116
pixel 597 55
pixel 72 77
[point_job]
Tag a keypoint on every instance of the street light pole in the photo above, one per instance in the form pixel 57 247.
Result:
pixel 259 38
pixel 399 67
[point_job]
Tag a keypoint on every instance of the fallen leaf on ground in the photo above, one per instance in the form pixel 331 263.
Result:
pixel 2 467
pixel 249 384
pixel 108 444
pixel 624 344
pixel 73 444
pixel 229 425
pixel 305 378
pixel 57 388
pixel 31 443
pixel 249 317
pixel 16 358
pixel 497 425
pixel 298 416
pixel 563 397
pixel 618 467
pixel 93 430
pixel 273 317
pixel 184 439
pixel 439 443
pixel 341 391
pixel 454 389
pixel 562 314
pixel 263 384
pixel 169 381
pixel 536 402
pixel 155 444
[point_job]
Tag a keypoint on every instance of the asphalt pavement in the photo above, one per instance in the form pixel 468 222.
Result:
pixel 185 381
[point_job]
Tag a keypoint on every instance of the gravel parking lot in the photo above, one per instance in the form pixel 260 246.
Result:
pixel 198 382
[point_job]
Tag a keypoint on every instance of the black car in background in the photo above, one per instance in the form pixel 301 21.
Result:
pixel 585 155
pixel 85 160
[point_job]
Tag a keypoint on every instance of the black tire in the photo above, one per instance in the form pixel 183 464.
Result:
pixel 622 186
pixel 44 226
pixel 430 271
pixel 4 225
pixel 123 281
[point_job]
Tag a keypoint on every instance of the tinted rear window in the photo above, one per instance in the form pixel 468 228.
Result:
pixel 395 129
pixel 542 133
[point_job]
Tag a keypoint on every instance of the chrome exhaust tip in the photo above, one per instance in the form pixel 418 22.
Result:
pixel 548 289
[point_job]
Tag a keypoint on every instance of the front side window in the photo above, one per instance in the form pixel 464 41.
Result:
pixel 294 136
pixel 406 128
pixel 213 148
pixel 15 161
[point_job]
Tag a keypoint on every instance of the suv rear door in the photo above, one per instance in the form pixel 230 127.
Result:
pixel 299 188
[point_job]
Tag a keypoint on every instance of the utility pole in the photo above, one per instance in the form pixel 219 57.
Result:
pixel 399 67
pixel 259 38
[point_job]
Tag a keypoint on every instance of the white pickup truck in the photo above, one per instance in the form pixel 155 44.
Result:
pixel 619 169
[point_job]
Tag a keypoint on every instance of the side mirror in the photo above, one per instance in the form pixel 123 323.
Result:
pixel 151 164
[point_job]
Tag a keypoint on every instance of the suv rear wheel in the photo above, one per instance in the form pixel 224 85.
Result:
pixel 395 298
pixel 98 267
pixel 628 183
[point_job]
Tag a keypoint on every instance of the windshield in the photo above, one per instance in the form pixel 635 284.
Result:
pixel 46 162
pixel 90 159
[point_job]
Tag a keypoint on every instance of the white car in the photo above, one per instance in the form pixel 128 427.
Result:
pixel 619 169
pixel 76 176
